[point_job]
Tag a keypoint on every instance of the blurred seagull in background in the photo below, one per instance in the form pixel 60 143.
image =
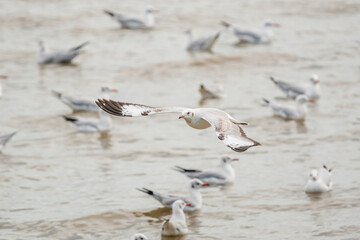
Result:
pixel 194 197
pixel 297 112
pixel 139 236
pixel 201 44
pixel 253 36
pixel 211 91
pixel 319 181
pixel 101 124
pixel 176 225
pixel 292 89
pixel 225 174
pixel 83 105
pixel 2 77
pixel 4 139
pixel 46 55
pixel 132 23
pixel 227 128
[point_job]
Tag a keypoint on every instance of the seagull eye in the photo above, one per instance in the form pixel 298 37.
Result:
pixel 188 113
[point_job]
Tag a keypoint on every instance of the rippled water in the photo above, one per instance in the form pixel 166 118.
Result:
pixel 59 184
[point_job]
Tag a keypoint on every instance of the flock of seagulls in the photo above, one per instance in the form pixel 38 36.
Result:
pixel 227 129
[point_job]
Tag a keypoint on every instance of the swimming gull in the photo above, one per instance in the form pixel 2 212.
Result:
pixel 293 89
pixel 82 105
pixel 194 197
pixel 101 124
pixel 201 44
pixel 297 112
pixel 176 225
pixel 253 36
pixel 4 139
pixel 319 181
pixel 133 23
pixel 225 174
pixel 46 56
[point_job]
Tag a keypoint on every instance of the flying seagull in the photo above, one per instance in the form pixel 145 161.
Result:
pixel 227 128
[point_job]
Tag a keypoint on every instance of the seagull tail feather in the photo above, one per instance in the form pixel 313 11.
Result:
pixel 145 190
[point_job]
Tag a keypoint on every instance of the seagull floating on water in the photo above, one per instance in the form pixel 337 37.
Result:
pixel 176 225
pixel 297 112
pixel 201 44
pixel 2 77
pixel 194 197
pixel 82 105
pixel 133 23
pixel 46 56
pixel 319 181
pixel 225 174
pixel 292 89
pixel 101 124
pixel 211 91
pixel 4 139
pixel 253 36
pixel 227 128
pixel 139 236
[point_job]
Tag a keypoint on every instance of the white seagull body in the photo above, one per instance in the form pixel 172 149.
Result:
pixel 253 36
pixel 82 105
pixel 292 89
pixel 46 56
pixel 227 129
pixel 202 44
pixel 176 225
pixel 319 181
pixel 194 197
pixel 101 124
pixel 225 174
pixel 4 139
pixel 133 23
pixel 297 112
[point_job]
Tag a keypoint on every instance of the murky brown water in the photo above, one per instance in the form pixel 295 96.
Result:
pixel 59 184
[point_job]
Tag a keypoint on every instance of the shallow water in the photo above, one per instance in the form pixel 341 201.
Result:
pixel 59 184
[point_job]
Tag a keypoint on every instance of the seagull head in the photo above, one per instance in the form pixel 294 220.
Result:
pixel 270 23
pixel 106 89
pixel 187 114
pixel 302 99
pixel 196 184
pixel 315 79
pixel 140 236
pixel 151 9
pixel 179 205
pixel 314 175
pixel 227 160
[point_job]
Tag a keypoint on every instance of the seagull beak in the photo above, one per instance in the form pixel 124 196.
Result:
pixel 3 76
pixel 187 204
pixel 205 184
pixel 311 100
pixel 113 90
pixel 181 116
pixel 314 178
pixel 235 159
pixel 276 25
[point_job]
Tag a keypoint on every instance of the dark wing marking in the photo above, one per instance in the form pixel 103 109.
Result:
pixel 133 110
